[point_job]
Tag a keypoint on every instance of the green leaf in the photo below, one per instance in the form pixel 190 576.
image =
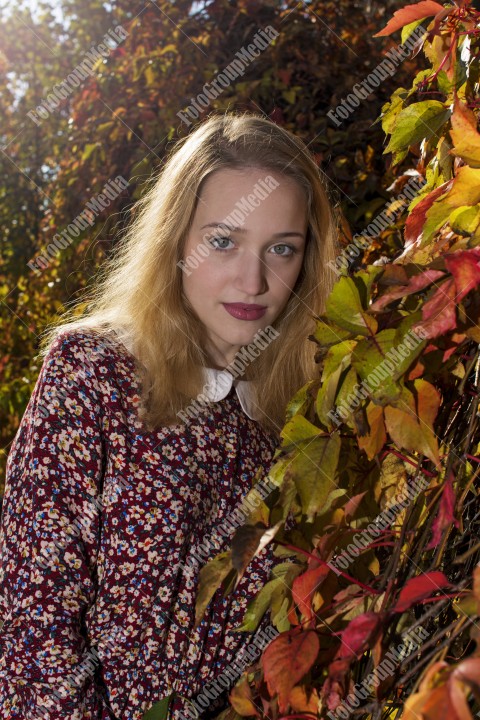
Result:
pixel 329 333
pixel 273 592
pixel 436 217
pixel 325 400
pixel 346 392
pixel 379 366
pixel 159 711
pixel 280 619
pixel 336 355
pixel 289 96
pixel 391 110
pixel 364 280
pixel 298 429
pixel 88 150
pixel 465 220
pixel 210 577
pixel 256 608
pixel 417 122
pixel 344 308
pixel 299 403
pixel 314 472
pixel 444 84
pixel 407 30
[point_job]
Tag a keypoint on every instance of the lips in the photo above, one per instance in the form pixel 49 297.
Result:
pixel 244 306
pixel 243 311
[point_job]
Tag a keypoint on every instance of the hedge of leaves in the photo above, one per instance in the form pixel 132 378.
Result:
pixel 358 447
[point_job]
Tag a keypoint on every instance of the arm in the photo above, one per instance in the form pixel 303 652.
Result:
pixel 49 533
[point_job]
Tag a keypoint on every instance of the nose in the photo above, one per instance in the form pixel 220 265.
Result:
pixel 251 277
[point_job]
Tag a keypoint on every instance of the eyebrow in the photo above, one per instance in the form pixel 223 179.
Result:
pixel 244 230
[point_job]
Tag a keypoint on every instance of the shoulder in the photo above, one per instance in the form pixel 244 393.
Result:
pixel 86 358
pixel 85 347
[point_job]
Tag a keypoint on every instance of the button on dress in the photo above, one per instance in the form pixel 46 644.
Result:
pixel 103 524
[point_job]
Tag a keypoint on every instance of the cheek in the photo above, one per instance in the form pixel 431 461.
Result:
pixel 287 279
pixel 203 280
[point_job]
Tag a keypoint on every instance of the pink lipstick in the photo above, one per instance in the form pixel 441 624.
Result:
pixel 241 311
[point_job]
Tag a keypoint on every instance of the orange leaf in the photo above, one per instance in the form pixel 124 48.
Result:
pixel 409 14
pixel 304 586
pixel 412 428
pixel 465 136
pixel 286 660
pixel 428 402
pixel 447 700
pixel 417 218
pixel 301 704
pixel 377 437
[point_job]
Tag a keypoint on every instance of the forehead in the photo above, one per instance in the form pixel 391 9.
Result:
pixel 237 191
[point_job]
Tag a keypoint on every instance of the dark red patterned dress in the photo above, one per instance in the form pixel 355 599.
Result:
pixel 99 520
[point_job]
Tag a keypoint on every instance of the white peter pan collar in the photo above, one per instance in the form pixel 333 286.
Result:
pixel 218 384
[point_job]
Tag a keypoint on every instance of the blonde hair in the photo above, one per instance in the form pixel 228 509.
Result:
pixel 138 291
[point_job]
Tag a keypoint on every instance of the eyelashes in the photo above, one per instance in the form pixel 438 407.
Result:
pixel 292 249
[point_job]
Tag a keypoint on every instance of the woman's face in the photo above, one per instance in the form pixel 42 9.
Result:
pixel 256 262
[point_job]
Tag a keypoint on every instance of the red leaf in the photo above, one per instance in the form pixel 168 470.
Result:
pixel 445 517
pixel 286 660
pixel 419 588
pixel 439 314
pixel 409 14
pixel 417 218
pixel 465 268
pixel 357 634
pixel 416 283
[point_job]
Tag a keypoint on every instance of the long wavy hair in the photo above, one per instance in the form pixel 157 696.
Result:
pixel 138 296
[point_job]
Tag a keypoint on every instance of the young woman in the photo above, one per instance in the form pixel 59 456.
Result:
pixel 153 415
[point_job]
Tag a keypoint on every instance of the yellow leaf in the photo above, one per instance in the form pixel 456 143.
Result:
pixel 465 189
pixel 301 703
pixel 465 136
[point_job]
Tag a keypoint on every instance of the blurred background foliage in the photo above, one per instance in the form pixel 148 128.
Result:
pixel 123 119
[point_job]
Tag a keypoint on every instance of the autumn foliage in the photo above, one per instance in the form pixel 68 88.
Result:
pixel 341 607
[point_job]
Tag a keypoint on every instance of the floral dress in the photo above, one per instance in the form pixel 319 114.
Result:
pixel 104 529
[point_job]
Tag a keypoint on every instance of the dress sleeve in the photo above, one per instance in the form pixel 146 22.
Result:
pixel 49 534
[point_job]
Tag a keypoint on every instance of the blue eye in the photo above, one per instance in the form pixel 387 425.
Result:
pixel 219 239
pixel 289 247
